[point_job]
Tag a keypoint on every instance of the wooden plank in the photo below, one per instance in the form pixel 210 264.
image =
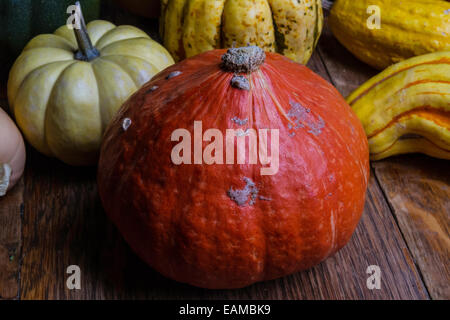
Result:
pixel 10 241
pixel 61 219
pixel 418 190
pixel 410 183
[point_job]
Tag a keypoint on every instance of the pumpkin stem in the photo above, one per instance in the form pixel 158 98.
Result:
pixel 5 176
pixel 243 60
pixel 86 52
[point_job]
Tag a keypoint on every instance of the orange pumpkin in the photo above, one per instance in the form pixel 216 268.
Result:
pixel 230 225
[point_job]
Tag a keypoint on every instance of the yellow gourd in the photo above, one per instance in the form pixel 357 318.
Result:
pixel 406 108
pixel 65 87
pixel 289 27
pixel 407 29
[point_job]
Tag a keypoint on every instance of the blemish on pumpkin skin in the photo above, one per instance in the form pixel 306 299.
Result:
pixel 173 74
pixel 241 133
pixel 126 124
pixel 240 82
pixel 316 128
pixel 352 128
pixel 242 196
pixel 303 118
pixel 154 88
pixel 240 122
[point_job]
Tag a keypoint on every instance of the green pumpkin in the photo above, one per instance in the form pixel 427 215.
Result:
pixel 21 20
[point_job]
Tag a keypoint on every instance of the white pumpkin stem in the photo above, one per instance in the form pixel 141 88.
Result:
pixel 5 176
pixel 87 51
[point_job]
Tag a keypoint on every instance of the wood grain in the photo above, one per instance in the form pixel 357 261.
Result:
pixel 416 186
pixel 418 191
pixel 10 241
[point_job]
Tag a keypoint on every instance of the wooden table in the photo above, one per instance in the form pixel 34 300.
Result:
pixel 54 219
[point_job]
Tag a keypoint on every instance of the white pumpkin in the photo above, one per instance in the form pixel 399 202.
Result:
pixel 12 153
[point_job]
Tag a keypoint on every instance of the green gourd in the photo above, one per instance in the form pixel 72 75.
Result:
pixel 21 20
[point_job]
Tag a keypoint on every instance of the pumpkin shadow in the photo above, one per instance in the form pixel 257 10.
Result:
pixel 126 276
